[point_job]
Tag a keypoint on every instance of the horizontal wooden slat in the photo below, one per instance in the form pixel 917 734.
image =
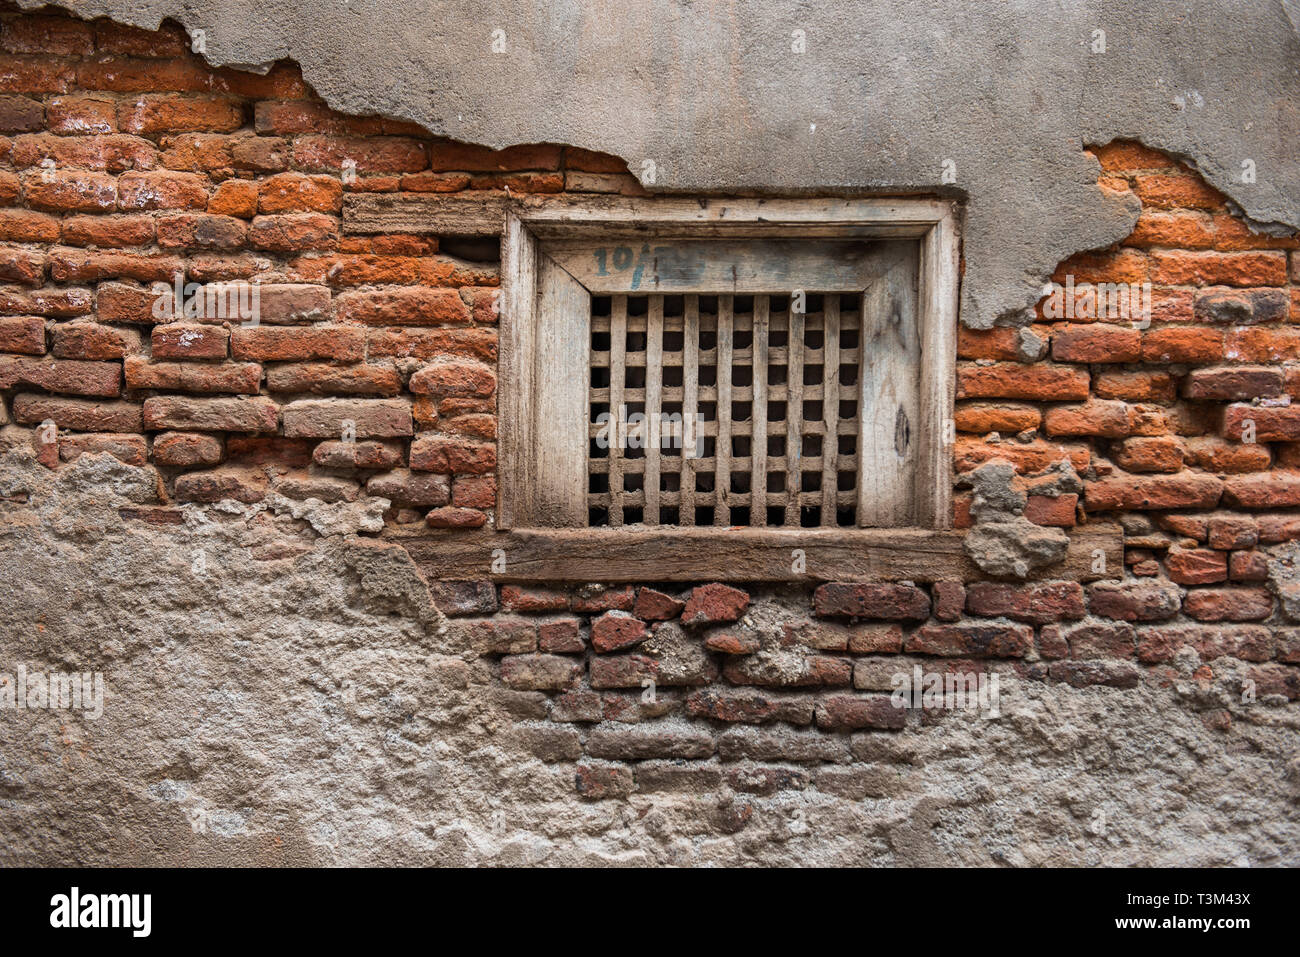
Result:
pixel 482 213
pixel 743 555
pixel 716 266
pixel 451 215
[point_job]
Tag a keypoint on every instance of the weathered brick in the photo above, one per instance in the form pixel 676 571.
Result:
pixel 1082 674
pixel 1158 453
pixel 451 517
pixel 1229 604
pixel 67 191
pixel 23 334
pixel 540 672
pixel 594 601
pixel 1276 680
pixel 454 377
pixel 1184 490
pixel 714 603
pixel 211 415
pixel 617 631
pixel 296 192
pixel 1096 342
pixel 169 113
pixel 21 114
pixel 866 638
pixel 236 378
pixel 294 232
pixel 1100 417
pixel 731 642
pixel 636 744
pixel 786 744
pixel 215 486
pixel 61 375
pixel 372 154
pixel 1038 604
pixel 369 418
pixel 79 414
pixel 1226 531
pixel 410 306
pixel 435 453
pixel 750 707
pixel 130 449
pixel 560 636
pixel 1247 642
pixel 161 189
pixel 1248 566
pixel 865 600
pixel 189 341
pixel 25 226
pixel 577 706
pixel 499 636
pixel 80 265
pixel 1105 639
pixel 521 599
pixel 1240 307
pixel 985 417
pixel 321 378
pixel 1027 457
pixel 108 231
pixel 1277 489
pixel 1196 566
pixel 1134 601
pixel 186 449
pixel 1014 381
pixel 975 639
pixel 1182 344
pixel 414 489
pixel 1183 268
pixel 361 455
pixel 336 343
pixel 597 782
pixel 854 713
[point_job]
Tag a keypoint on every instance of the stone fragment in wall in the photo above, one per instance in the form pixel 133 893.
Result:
pixel 1002 542
pixel 1284 578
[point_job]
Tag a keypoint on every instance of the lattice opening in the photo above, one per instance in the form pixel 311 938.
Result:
pixel 756 408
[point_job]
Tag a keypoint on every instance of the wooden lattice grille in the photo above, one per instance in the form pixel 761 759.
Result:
pixel 757 404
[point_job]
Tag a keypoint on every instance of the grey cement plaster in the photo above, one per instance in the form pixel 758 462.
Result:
pixel 885 94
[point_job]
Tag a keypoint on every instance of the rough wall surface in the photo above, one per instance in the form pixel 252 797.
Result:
pixel 181 513
pixel 300 700
pixel 885 96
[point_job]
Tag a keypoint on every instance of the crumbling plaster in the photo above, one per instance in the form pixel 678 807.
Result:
pixel 294 697
pixel 885 94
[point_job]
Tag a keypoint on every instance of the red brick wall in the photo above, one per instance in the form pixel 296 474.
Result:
pixel 125 160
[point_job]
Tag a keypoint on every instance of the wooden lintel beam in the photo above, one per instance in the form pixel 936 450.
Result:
pixel 744 555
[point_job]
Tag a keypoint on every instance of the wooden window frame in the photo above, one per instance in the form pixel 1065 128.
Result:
pixel 543 431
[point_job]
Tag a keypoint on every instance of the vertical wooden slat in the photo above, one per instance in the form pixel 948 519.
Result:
pixel 561 408
pixel 793 416
pixel 722 457
pixel 889 394
pixel 517 356
pixel 690 406
pixel 830 404
pixel 939 280
pixel 758 415
pixel 617 376
pixel 652 435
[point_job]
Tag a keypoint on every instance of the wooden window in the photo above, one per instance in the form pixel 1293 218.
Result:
pixel 677 363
